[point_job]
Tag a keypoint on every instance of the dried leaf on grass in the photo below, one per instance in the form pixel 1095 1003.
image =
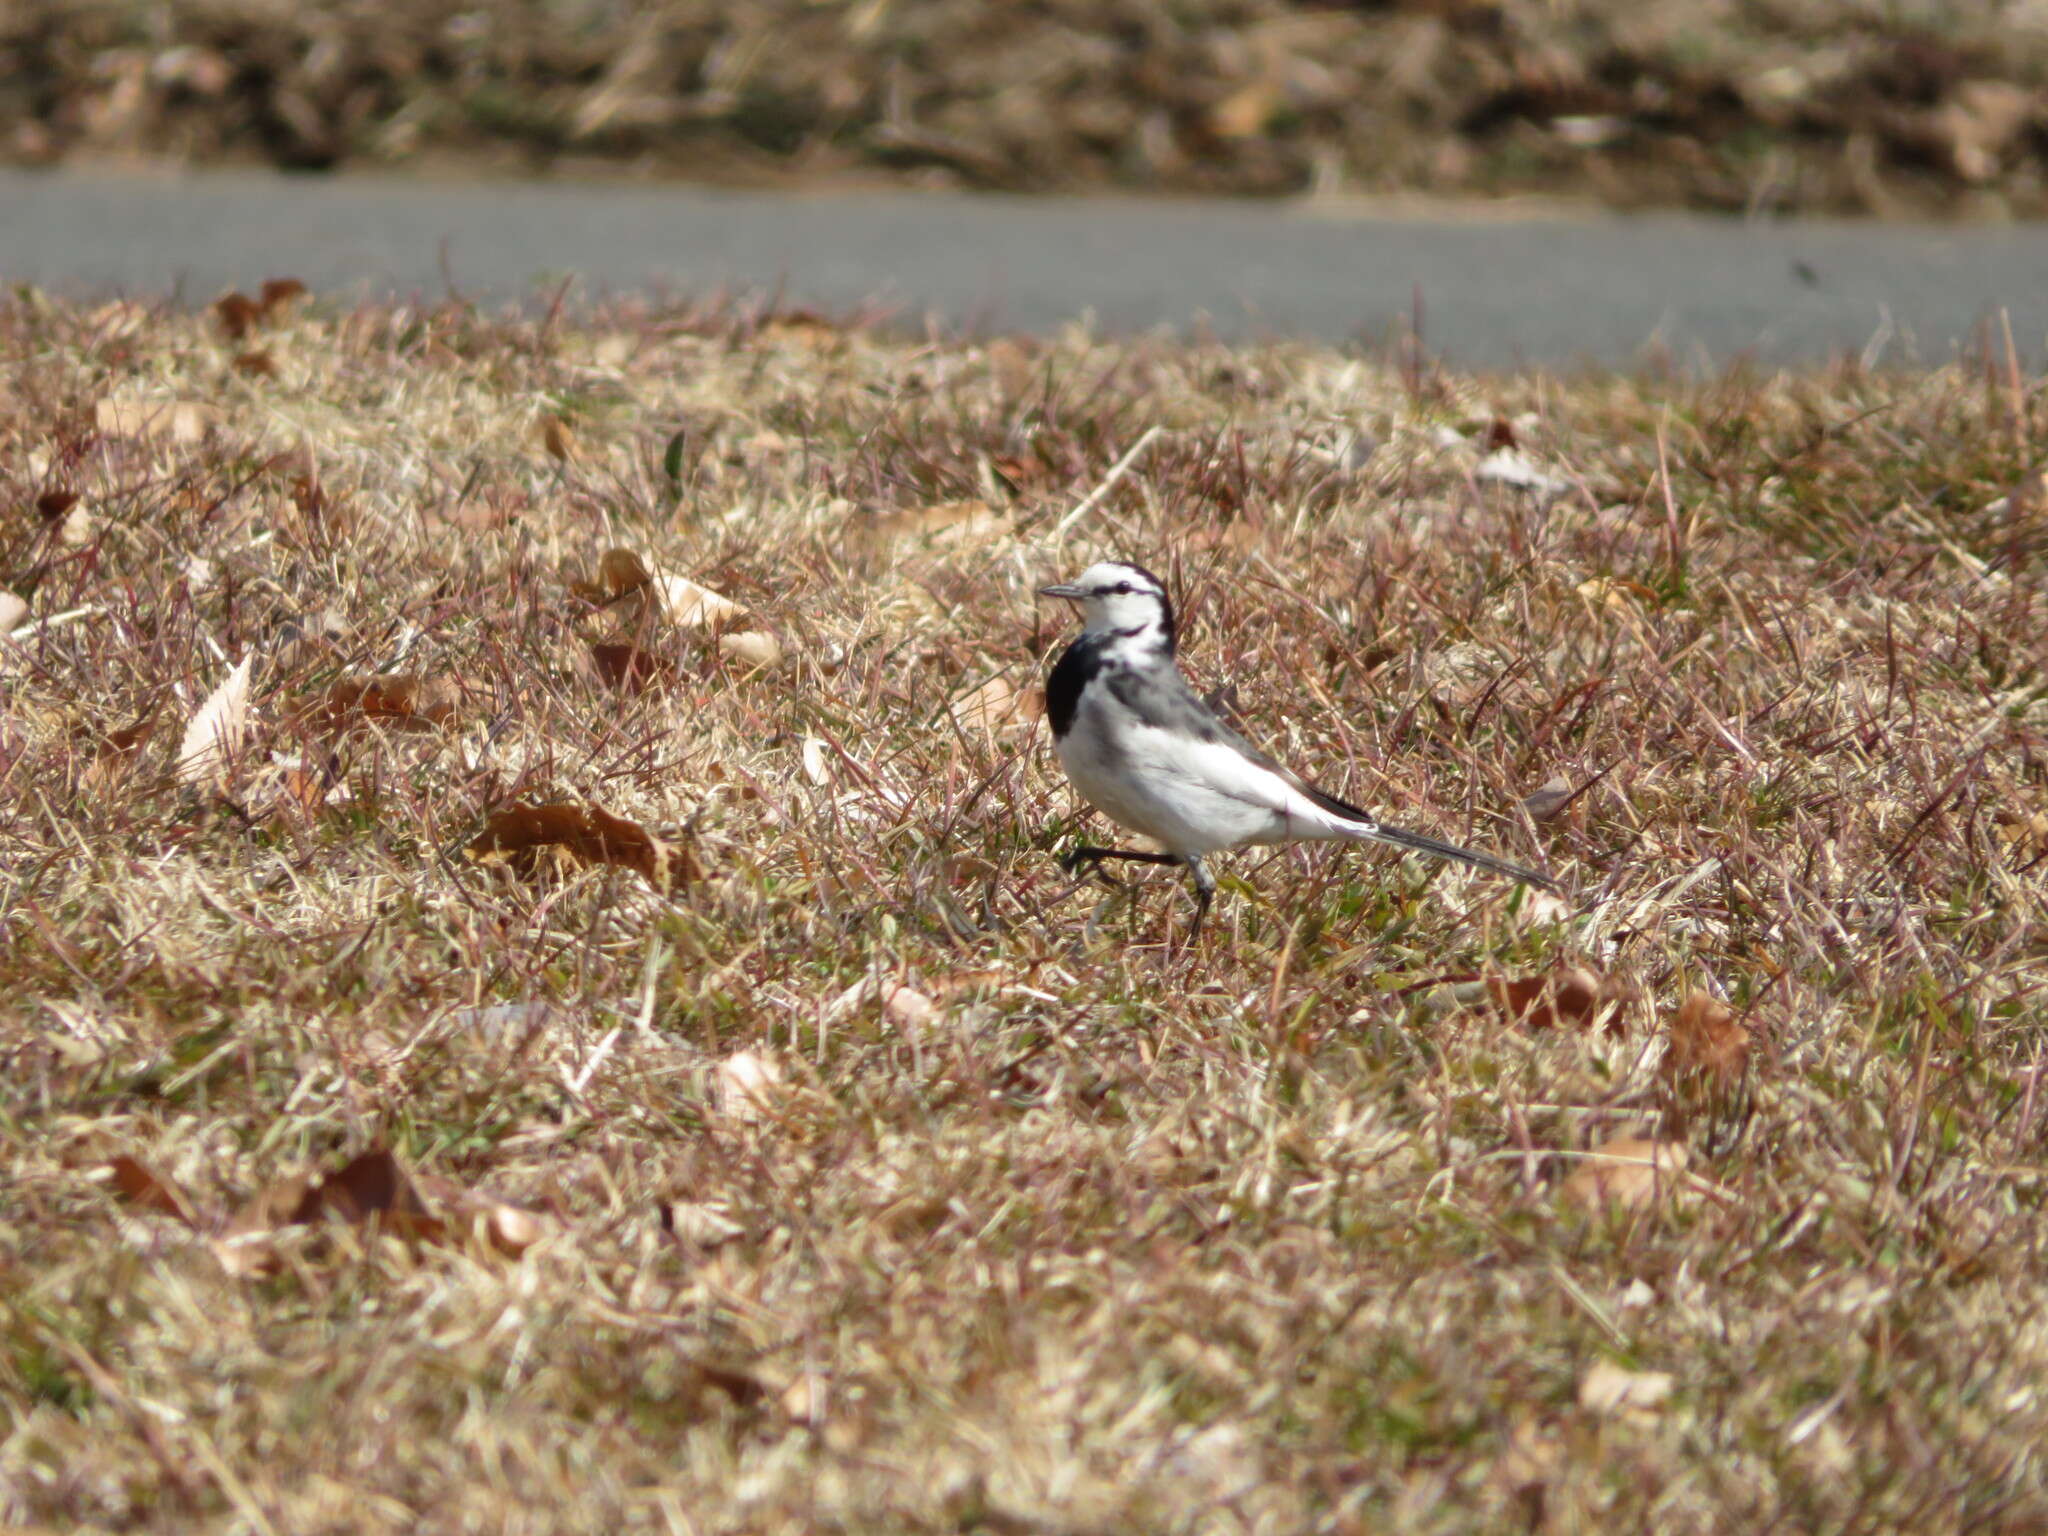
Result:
pixel 173 421
pixel 946 520
pixel 622 575
pixel 558 438
pixel 117 754
pixel 746 1085
pixel 12 611
pixel 371 1188
pixel 697 1224
pixel 218 728
pixel 999 705
pixel 751 647
pixel 395 698
pixel 907 1008
pixel 1548 801
pixel 237 314
pixel 143 1187
pixel 1707 1042
pixel 1565 996
pixel 522 833
pixel 1628 1171
pixel 1607 1388
pixel 2023 832
pixel 1706 1061
pixel 694 606
pixel 622 664
pixel 1616 594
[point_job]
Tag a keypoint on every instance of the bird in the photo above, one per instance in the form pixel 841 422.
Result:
pixel 1144 749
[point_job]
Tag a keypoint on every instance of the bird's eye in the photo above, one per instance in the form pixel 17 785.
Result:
pixel 1122 588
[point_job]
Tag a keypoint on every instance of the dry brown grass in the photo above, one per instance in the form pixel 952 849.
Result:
pixel 884 1186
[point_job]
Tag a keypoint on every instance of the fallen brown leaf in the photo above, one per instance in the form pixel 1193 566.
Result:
pixel 1707 1040
pixel 587 834
pixel 1628 1171
pixel 374 1188
pixel 278 294
pixel 177 421
pixel 999 705
pixel 1607 1388
pixel 142 1186
pixel 693 606
pixel 1706 1061
pixel 620 571
pixel 633 593
pixel 947 519
pixel 1565 996
pixel 370 1187
pixel 392 698
pixel 236 314
pixel 625 665
pixel 558 438
pixel 258 364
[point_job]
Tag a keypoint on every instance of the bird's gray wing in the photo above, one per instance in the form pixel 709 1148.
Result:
pixel 1164 700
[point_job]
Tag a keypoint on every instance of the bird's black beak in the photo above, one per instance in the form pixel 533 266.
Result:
pixel 1068 590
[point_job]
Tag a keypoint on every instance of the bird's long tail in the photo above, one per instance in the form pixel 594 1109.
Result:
pixel 1380 832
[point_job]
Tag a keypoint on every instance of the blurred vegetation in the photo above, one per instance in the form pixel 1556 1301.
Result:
pixel 1774 105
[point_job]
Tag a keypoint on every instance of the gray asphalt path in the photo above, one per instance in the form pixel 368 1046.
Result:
pixel 1493 292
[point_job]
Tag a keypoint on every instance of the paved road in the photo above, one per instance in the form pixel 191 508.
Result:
pixel 1494 292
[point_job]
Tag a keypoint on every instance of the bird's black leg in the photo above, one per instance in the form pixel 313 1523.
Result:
pixel 1084 855
pixel 1205 892
pixel 1090 859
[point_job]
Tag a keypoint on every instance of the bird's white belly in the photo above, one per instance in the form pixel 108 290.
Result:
pixel 1138 778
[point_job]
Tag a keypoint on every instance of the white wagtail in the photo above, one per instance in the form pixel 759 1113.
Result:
pixel 1146 752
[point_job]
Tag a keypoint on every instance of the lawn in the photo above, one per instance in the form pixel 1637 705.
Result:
pixel 537 991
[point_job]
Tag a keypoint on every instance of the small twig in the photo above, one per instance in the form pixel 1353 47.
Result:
pixel 1109 481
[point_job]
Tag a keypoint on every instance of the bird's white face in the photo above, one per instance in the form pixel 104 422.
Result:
pixel 1115 598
